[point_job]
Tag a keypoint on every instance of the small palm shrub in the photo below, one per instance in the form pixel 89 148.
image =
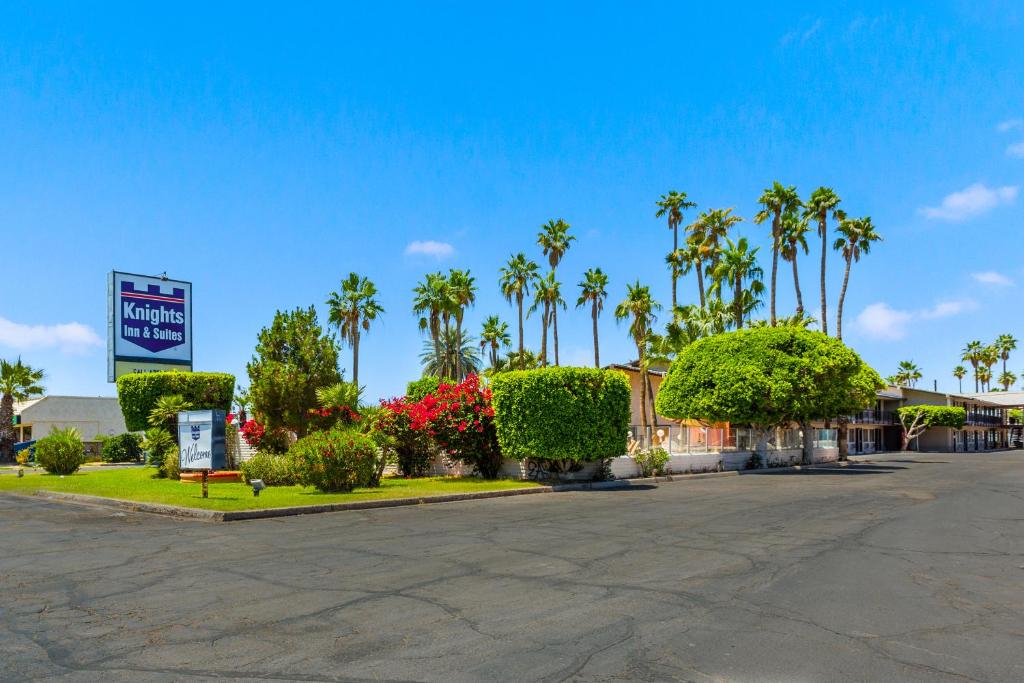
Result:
pixel 652 462
pixel 159 448
pixel 272 469
pixel 125 447
pixel 62 452
pixel 335 461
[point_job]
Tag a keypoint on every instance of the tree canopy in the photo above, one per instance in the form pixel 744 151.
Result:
pixel 767 377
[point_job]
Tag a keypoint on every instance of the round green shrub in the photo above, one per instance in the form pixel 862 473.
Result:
pixel 138 393
pixel 157 445
pixel 338 460
pixel 567 415
pixel 125 447
pixel 274 470
pixel 62 452
pixel 417 389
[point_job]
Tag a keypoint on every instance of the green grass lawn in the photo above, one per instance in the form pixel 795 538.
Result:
pixel 139 485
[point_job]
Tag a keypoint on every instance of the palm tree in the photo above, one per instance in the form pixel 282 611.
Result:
pixel 989 357
pixel 640 308
pixel 433 304
pixel 823 201
pixel 164 413
pixel 548 296
pixel 514 361
pixel 908 373
pixel 985 375
pixel 972 354
pixel 18 382
pixel 450 356
pixel 960 372
pixel 855 238
pixel 737 265
pixel 593 292
pixel 717 223
pixel 672 205
pixel 1005 343
pixel 516 277
pixel 695 252
pixel 352 309
pixel 1007 379
pixel 495 336
pixel 554 239
pixel 462 291
pixel 776 201
pixel 794 238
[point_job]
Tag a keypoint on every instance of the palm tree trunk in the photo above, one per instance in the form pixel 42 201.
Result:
pixel 960 380
pixel 796 283
pixel 737 301
pixel 650 395
pixel 842 298
pixel 355 358
pixel 675 272
pixel 597 355
pixel 700 283
pixel 775 266
pixel 519 302
pixel 7 437
pixel 976 388
pixel 544 337
pixel 824 301
pixel 554 330
pixel 458 348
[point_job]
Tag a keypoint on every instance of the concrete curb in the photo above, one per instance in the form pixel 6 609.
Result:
pixel 798 468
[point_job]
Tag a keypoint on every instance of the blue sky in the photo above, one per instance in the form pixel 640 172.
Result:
pixel 264 152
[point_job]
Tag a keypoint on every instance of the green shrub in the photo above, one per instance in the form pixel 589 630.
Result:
pixel 138 393
pixel 171 469
pixel 125 447
pixel 157 444
pixel 652 463
pixel 62 452
pixel 338 460
pixel 562 415
pixel 933 416
pixel 274 470
pixel 417 389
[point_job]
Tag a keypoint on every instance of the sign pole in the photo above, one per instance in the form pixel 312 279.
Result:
pixel 206 474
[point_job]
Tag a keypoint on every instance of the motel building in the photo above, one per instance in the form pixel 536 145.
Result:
pixel 92 416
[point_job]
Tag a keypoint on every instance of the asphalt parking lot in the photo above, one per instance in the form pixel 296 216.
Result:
pixel 908 569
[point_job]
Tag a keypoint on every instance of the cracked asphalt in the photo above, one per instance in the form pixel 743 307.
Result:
pixel 907 569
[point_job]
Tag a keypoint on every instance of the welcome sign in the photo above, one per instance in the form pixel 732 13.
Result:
pixel 201 442
pixel 149 324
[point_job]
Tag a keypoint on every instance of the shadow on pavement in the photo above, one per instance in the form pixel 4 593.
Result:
pixel 834 471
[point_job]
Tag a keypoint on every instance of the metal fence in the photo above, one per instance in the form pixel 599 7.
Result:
pixel 685 439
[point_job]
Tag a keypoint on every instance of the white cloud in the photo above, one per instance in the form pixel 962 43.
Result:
pixel 882 321
pixel 972 201
pixel 1010 124
pixel 72 338
pixel 804 35
pixel 438 250
pixel 991 277
pixel 1016 150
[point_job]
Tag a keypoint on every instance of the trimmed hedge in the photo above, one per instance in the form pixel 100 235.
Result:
pixel 138 393
pixel 418 389
pixel 933 416
pixel 562 414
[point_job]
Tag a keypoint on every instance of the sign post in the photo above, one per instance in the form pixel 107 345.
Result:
pixel 201 442
pixel 149 324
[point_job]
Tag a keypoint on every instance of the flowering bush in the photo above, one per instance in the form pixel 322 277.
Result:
pixel 460 420
pixel 256 435
pixel 338 460
pixel 324 419
pixel 414 449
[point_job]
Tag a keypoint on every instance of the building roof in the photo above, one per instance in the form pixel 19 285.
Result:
pixel 1007 399
pixel 634 366
pixel 983 399
pixel 23 405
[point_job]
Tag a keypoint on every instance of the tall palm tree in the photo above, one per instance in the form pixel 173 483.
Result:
pixel 908 373
pixel 1007 379
pixel 352 309
pixel 641 309
pixel 515 280
pixel 717 223
pixel 960 372
pixel 672 205
pixel 737 265
pixel 547 296
pixel 432 303
pixel 554 239
pixel 593 291
pixel 494 336
pixel 824 201
pixel 462 292
pixel 450 356
pixel 776 201
pixel 989 357
pixel 855 239
pixel 18 382
pixel 793 239
pixel 695 253
pixel 985 376
pixel 972 353
pixel 1005 343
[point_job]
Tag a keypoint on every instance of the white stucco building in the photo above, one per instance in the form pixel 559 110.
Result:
pixel 92 416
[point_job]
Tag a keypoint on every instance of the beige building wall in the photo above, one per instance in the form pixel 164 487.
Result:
pixel 634 400
pixel 91 416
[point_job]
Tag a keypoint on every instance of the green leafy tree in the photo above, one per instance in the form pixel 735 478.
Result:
pixel 515 280
pixel 593 293
pixel 554 239
pixel 775 202
pixel 352 309
pixel 767 378
pixel 294 357
pixel 18 382
pixel 672 206
pixel 824 202
pixel 494 337
pixel 916 420
pixel 960 372
pixel 856 236
pixel 640 309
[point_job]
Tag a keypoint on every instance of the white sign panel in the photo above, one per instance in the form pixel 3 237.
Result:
pixel 149 323
pixel 195 440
